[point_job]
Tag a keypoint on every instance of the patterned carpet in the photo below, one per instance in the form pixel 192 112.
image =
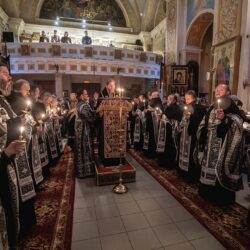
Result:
pixel 227 224
pixel 54 209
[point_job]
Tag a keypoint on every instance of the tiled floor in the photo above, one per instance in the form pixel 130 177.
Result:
pixel 145 218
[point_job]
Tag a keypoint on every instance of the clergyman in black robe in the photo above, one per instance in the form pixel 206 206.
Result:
pixel 219 149
pixel 167 145
pixel 192 116
pixel 152 116
pixel 84 155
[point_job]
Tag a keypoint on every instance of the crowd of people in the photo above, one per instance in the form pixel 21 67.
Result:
pixel 30 144
pixel 204 144
pixel 55 38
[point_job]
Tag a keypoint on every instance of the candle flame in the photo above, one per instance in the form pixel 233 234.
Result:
pixel 28 103
pixel 185 107
pixel 21 129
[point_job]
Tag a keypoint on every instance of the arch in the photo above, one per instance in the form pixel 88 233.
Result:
pixel 160 11
pixel 125 13
pixel 198 27
pixel 120 4
pixel 38 8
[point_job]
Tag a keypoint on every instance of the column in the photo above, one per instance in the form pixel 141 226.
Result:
pixel 244 71
pixel 146 40
pixel 59 84
pixel 3 22
pixel 16 25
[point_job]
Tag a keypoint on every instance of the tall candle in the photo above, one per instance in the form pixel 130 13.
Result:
pixel 219 101
pixel 21 133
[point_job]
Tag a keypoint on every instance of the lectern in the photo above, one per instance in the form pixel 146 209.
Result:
pixel 112 140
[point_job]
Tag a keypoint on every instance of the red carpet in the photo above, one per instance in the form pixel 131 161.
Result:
pixel 227 224
pixel 54 210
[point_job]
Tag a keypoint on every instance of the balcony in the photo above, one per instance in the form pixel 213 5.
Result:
pixel 49 58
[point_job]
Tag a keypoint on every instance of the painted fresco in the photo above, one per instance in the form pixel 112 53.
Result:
pixel 101 10
pixel 195 6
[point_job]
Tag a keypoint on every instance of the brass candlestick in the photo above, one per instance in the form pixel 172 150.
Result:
pixel 120 188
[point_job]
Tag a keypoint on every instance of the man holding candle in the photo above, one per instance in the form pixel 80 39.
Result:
pixel 15 204
pixel 192 116
pixel 29 161
pixel 21 104
pixel 219 149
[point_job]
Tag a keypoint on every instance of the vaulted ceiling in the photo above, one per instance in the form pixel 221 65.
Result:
pixel 141 15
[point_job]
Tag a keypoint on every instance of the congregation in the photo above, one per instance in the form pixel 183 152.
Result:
pixel 203 143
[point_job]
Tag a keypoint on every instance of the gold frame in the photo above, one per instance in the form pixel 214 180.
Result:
pixel 232 49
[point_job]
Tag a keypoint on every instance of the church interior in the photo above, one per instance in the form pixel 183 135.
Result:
pixel 124 124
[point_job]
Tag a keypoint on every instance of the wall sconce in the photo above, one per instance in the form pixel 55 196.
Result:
pixel 246 83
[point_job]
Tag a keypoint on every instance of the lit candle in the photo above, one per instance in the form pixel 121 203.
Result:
pixel 133 103
pixel 123 91
pixel 21 133
pixel 144 101
pixel 28 105
pixel 119 91
pixel 219 101
pixel 43 116
pixel 58 109
pixel 185 108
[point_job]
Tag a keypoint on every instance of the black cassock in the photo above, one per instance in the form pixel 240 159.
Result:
pixel 84 154
pixel 152 118
pixel 166 148
pixel 27 216
pixel 220 150
pixel 20 214
pixel 167 141
pixel 188 128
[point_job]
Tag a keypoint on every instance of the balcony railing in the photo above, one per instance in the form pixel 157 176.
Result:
pixel 79 59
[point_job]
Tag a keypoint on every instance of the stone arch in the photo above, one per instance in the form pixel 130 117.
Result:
pixel 199 38
pixel 198 28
